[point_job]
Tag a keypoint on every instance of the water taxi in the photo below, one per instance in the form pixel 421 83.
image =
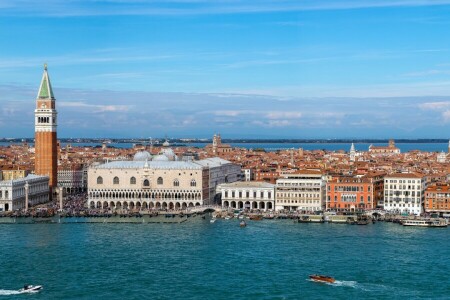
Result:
pixel 322 278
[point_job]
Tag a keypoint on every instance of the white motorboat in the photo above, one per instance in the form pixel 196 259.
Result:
pixel 30 288
pixel 212 220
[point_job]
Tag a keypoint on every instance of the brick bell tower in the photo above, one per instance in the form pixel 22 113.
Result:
pixel 45 132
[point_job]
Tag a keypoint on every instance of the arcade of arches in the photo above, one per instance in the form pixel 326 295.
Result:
pixel 139 199
pixel 261 205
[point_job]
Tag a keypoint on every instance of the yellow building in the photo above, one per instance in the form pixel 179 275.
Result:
pixel 11 174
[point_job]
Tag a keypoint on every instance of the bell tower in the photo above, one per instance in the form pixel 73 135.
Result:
pixel 45 131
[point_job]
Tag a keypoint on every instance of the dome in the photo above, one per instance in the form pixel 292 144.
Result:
pixel 160 158
pixel 166 144
pixel 168 153
pixel 142 156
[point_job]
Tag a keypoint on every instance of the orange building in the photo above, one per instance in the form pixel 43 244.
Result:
pixel 45 131
pixel 437 198
pixel 348 193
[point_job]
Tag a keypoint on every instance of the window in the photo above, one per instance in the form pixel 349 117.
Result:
pixel 99 180
pixel 160 180
pixel 193 182
pixel 133 180
pixel 116 180
pixel 146 182
pixel 176 182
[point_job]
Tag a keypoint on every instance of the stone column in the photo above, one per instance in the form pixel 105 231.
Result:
pixel 60 198
pixel 26 195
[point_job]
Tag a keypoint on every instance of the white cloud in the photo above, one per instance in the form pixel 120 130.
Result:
pixel 446 115
pixel 435 105
pixel 92 108
pixel 275 115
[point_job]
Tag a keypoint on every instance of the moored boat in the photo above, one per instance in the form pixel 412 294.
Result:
pixel 425 222
pixel 321 278
pixel 242 223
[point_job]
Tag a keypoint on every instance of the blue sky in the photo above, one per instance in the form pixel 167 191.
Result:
pixel 190 68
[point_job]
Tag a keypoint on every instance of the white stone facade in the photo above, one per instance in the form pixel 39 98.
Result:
pixel 12 192
pixel 247 195
pixel 404 193
pixel 72 181
pixel 303 191
pixel 156 184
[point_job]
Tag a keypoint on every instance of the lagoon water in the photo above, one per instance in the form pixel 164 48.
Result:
pixel 404 147
pixel 199 260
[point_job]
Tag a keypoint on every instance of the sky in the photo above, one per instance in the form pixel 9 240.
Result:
pixel 242 68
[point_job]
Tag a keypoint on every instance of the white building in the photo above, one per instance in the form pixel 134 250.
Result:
pixel 13 192
pixel 248 174
pixel 441 157
pixel 404 193
pixel 73 180
pixel 220 171
pixel 304 190
pixel 352 153
pixel 159 182
pixel 247 195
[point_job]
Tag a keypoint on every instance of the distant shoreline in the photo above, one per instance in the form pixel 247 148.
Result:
pixel 241 141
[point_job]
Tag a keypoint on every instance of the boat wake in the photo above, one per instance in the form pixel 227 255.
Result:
pixel 9 292
pixel 367 287
pixel 15 292
pixel 352 284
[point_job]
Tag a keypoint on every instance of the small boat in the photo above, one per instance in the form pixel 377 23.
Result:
pixel 256 217
pixel 321 278
pixel 212 220
pixel 227 217
pixel 242 223
pixel 30 288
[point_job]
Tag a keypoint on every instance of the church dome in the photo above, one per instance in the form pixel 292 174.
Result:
pixel 142 156
pixel 160 157
pixel 168 152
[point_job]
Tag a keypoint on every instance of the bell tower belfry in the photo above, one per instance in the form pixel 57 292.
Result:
pixel 45 131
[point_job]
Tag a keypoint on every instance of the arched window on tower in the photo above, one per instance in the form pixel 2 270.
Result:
pixel 99 180
pixel 160 180
pixel 146 182
pixel 176 182
pixel 193 182
pixel 133 180
pixel 116 180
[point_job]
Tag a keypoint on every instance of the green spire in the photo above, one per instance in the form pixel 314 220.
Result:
pixel 45 90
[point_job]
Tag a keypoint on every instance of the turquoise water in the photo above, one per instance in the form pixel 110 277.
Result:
pixel 200 260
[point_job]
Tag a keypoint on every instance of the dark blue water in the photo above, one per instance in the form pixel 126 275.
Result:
pixel 404 147
pixel 200 260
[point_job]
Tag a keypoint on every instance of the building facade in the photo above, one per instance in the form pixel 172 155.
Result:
pixel 437 199
pixel 303 190
pixel 247 195
pixel 73 179
pixel 13 192
pixel 161 183
pixel 45 131
pixel 11 173
pixel 404 193
pixel 384 150
pixel 350 193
